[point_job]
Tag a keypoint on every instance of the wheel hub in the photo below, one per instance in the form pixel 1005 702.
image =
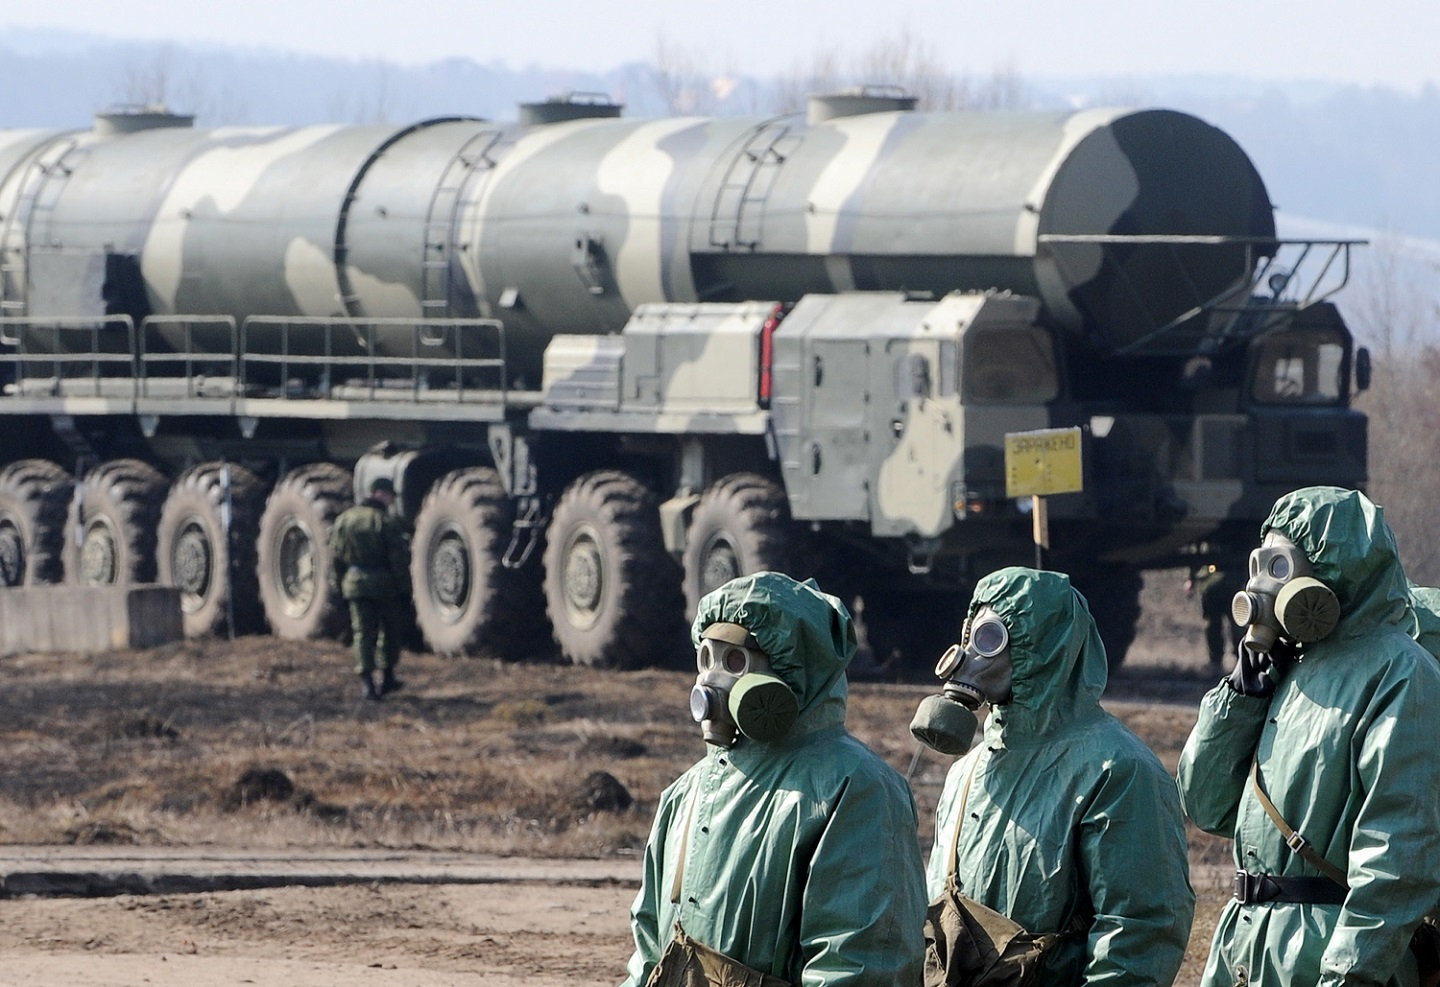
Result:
pixel 449 569
pixel 12 553
pixel 295 566
pixel 99 554
pixel 191 565
pixel 584 571
pixel 722 564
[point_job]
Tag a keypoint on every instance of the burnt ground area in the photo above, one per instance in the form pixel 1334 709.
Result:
pixel 260 743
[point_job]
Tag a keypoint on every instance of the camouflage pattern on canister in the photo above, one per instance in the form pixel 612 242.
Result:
pixel 566 227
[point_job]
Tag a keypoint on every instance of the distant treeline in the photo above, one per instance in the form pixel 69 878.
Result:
pixel 1346 155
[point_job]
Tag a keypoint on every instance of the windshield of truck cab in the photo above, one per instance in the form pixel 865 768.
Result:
pixel 1299 367
pixel 1010 366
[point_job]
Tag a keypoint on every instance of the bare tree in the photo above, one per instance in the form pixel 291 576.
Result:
pixel 147 80
pixel 164 77
pixel 352 104
pixel 1005 90
pixel 685 83
pixel 682 80
pixel 1392 308
pixel 909 63
pixel 823 74
pixel 1124 92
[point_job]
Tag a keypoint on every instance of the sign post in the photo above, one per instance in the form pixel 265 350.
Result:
pixel 1039 463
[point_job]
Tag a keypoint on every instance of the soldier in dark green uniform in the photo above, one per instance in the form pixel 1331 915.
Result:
pixel 372 565
pixel 1216 588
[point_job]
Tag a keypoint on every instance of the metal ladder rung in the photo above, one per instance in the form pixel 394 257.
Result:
pixel 15 236
pixel 445 200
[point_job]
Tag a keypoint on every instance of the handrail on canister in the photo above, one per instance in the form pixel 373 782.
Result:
pixel 158 349
pixel 346 352
pixel 61 343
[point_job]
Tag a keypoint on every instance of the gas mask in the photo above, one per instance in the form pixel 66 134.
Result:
pixel 1282 596
pixel 737 692
pixel 976 671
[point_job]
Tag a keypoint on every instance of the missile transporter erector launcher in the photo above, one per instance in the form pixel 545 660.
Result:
pixel 611 363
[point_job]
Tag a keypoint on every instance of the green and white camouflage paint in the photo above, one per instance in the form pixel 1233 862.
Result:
pixel 847 311
pixel 567 227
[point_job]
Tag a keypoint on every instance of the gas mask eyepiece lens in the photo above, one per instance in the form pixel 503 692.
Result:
pixel 989 637
pixel 1280 567
pixel 737 661
pixel 721 656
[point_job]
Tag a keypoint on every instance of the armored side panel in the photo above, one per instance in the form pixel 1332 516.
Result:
pixel 676 369
pixel 582 374
pixel 874 416
pixel 694 359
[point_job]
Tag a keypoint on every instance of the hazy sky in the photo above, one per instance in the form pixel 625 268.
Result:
pixel 1386 42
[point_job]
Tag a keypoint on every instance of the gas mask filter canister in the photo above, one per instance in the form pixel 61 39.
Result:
pixel 737 692
pixel 973 675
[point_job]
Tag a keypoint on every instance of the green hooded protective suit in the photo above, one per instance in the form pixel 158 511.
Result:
pixel 1425 601
pixel 1345 750
pixel 802 858
pixel 1071 822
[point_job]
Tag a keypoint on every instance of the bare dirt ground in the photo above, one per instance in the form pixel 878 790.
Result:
pixel 259 744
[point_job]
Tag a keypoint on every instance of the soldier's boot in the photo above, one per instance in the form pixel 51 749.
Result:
pixel 389 683
pixel 367 685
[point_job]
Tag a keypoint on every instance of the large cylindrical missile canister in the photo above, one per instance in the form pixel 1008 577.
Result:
pixel 321 221
pixel 696 209
pixel 566 226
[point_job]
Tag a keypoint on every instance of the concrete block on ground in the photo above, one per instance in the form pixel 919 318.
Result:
pixel 88 618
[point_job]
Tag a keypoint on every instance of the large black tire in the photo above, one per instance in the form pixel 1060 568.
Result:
pixel 906 632
pixel 34 498
pixel 293 561
pixel 611 590
pixel 466 601
pixel 214 569
pixel 1113 594
pixel 116 514
pixel 741 525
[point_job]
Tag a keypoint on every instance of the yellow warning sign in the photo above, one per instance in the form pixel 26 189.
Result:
pixel 1043 462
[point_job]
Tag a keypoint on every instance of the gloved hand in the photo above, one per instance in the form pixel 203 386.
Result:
pixel 1249 676
pixel 1257 673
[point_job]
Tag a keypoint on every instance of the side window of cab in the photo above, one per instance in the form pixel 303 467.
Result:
pixel 1302 367
pixel 1009 366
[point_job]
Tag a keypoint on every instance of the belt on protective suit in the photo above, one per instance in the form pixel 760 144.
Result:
pixel 1260 889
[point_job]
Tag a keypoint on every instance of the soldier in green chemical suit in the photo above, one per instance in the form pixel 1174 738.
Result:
pixel 789 853
pixel 1060 819
pixel 1317 756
